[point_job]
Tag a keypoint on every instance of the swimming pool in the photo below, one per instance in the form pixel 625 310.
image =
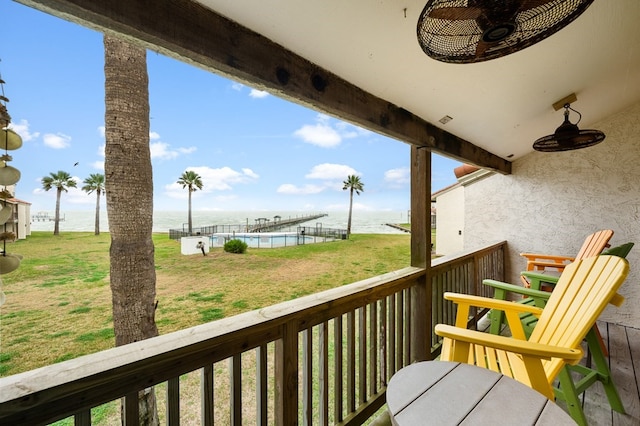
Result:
pixel 264 239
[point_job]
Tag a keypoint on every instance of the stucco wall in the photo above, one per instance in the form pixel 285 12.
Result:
pixel 450 224
pixel 551 201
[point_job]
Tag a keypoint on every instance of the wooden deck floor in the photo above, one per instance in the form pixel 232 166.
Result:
pixel 624 362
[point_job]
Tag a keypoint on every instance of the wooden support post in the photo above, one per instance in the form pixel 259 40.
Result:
pixel 421 327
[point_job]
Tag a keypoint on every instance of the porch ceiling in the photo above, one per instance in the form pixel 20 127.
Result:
pixel 500 106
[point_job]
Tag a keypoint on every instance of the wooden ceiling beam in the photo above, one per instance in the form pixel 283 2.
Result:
pixel 188 31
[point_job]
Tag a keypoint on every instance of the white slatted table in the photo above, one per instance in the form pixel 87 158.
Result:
pixel 447 393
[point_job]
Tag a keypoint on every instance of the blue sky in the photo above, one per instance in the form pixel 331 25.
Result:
pixel 253 150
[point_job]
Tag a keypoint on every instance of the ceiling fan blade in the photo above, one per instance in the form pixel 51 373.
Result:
pixel 482 47
pixel 456 13
pixel 532 4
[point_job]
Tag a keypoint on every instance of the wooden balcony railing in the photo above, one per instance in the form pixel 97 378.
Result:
pixel 320 359
pixel 463 273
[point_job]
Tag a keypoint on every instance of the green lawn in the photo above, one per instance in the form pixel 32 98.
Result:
pixel 59 297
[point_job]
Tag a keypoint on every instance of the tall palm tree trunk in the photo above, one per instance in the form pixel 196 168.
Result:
pixel 350 211
pixel 56 218
pixel 190 221
pixel 97 221
pixel 129 189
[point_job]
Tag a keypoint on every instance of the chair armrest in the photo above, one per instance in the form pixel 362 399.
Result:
pixel 617 300
pixel 536 280
pixel 541 265
pixel 518 289
pixel 545 277
pixel 485 302
pixel 549 257
pixel 573 356
pixel 539 262
pixel 511 311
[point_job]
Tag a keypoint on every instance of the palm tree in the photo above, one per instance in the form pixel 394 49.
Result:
pixel 95 182
pixel 193 181
pixel 129 191
pixel 353 184
pixel 61 181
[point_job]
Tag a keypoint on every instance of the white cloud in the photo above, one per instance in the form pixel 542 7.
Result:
pixel 22 129
pixel 57 141
pixel 98 165
pixel 250 173
pixel 328 171
pixel 331 175
pixel 75 196
pixel 258 94
pixel 253 93
pixel 187 150
pixel 161 150
pixel 349 131
pixel 328 133
pixel 291 189
pixel 398 176
pixel 221 179
pixel 319 134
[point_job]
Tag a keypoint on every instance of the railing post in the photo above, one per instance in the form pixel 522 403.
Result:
pixel 286 372
pixel 421 327
pixel 206 395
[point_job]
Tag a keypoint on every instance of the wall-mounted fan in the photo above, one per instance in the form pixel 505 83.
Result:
pixel 467 31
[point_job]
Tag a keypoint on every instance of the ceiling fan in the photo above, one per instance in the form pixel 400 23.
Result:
pixel 568 136
pixel 468 31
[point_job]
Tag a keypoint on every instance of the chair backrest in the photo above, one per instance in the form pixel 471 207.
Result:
pixel 581 294
pixel 621 251
pixel 594 244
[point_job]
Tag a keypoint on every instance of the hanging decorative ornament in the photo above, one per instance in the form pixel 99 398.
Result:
pixel 9 175
pixel 10 140
pixel 9 262
pixel 5 213
pixel 5 118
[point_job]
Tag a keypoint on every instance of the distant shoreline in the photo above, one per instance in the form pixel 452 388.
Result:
pixel 363 222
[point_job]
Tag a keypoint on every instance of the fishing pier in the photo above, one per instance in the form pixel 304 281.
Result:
pixel 264 224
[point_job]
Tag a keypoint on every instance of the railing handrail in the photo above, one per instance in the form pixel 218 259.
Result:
pixel 167 355
pixel 462 256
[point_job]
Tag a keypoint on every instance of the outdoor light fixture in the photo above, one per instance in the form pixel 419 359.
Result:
pixel 568 136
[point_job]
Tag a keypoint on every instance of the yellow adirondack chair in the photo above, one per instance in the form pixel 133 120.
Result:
pixel 581 294
pixel 574 379
pixel 541 263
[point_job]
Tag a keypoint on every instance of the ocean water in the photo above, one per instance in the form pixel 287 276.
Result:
pixel 362 222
